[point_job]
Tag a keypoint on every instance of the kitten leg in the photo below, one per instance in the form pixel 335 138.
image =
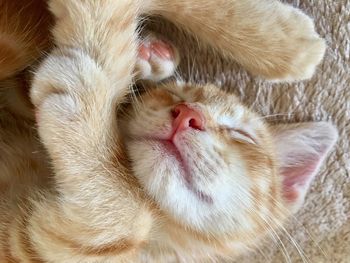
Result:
pixel 157 59
pixel 99 206
pixel 268 38
pixel 95 211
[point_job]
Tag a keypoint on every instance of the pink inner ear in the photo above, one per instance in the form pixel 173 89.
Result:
pixel 298 176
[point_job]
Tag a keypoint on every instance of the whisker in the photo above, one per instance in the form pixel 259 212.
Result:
pixel 294 219
pixel 272 115
pixel 292 240
pixel 270 229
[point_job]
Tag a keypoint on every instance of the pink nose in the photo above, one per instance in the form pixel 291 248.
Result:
pixel 186 117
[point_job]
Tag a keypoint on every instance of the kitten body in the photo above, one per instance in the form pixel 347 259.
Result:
pixel 202 193
pixel 24 34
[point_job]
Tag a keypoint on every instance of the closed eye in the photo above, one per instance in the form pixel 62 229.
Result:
pixel 241 135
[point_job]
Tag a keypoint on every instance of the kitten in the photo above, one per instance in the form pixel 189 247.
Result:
pixel 206 176
pixel 220 176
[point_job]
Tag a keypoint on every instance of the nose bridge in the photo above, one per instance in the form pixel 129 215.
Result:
pixel 185 111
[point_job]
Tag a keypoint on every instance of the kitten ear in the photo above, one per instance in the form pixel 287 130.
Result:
pixel 301 149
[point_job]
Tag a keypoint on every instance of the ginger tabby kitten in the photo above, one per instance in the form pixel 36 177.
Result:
pixel 184 173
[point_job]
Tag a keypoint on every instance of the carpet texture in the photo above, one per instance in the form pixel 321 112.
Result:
pixel 322 228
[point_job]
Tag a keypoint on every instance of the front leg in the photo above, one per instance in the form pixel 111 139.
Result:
pixel 97 212
pixel 269 38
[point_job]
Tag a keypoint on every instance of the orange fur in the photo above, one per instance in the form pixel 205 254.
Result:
pixel 24 34
pixel 270 39
pixel 89 192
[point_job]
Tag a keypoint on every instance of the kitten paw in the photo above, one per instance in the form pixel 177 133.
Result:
pixel 157 59
pixel 303 49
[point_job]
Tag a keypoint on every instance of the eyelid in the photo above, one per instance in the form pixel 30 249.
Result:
pixel 247 137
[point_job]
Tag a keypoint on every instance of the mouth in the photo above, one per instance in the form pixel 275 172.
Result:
pixel 173 150
pixel 168 149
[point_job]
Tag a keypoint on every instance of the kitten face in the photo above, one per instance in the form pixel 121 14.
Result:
pixel 203 157
pixel 213 166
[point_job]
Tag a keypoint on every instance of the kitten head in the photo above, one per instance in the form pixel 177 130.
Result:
pixel 214 166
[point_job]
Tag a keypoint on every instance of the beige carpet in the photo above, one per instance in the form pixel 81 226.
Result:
pixel 322 227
